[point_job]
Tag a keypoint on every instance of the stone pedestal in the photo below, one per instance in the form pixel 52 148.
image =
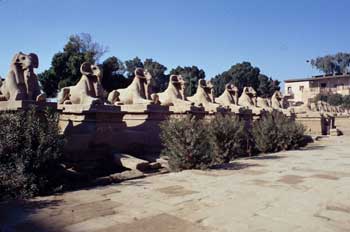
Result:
pixel 342 122
pixel 90 131
pixel 315 124
pixel 25 104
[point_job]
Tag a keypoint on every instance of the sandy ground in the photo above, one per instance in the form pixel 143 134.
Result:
pixel 306 190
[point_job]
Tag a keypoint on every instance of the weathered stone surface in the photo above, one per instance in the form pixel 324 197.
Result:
pixel 334 132
pixel 138 92
pixel 21 83
pixel 204 96
pixel 175 95
pixel 304 190
pixel 127 175
pixel 229 98
pixel 248 99
pixel 88 91
pixel 131 162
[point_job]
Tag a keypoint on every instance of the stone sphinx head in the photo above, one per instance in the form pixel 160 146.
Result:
pixel 179 83
pixel 25 61
pixel 91 70
pixel 208 88
pixel 278 95
pixel 231 89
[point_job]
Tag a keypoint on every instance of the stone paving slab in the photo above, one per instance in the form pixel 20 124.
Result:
pixel 304 190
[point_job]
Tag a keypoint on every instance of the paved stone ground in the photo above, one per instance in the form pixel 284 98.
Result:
pixel 306 190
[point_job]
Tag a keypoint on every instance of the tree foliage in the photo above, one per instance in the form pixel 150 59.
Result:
pixel 191 74
pixel 230 136
pixel 157 70
pixel 113 74
pixel 31 147
pixel 131 65
pixel 187 143
pixel 332 64
pixel 346 102
pixel 244 74
pixel 65 65
pixel 335 99
pixel 275 132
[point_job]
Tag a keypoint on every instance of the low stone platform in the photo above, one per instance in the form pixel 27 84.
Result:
pixel 305 190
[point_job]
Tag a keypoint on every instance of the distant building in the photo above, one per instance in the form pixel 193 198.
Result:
pixel 301 90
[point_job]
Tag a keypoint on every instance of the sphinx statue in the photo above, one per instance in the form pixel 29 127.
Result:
pixel 277 103
pixel 264 103
pixel 21 82
pixel 277 100
pixel 309 108
pixel 88 90
pixel 248 98
pixel 230 98
pixel 174 95
pixel 204 96
pixel 324 108
pixel 138 92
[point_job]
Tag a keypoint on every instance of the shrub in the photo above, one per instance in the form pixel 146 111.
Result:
pixel 229 136
pixel 187 143
pixel 275 132
pixel 30 149
pixel 346 102
pixel 335 99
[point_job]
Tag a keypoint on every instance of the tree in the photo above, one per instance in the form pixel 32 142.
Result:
pixel 267 86
pixel 156 69
pixel 335 99
pixel 332 64
pixel 131 65
pixel 244 74
pixel 113 78
pixel 346 101
pixel 191 75
pixel 65 65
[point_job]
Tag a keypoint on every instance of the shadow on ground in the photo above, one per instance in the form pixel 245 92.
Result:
pixel 15 215
pixel 267 157
pixel 313 147
pixel 235 166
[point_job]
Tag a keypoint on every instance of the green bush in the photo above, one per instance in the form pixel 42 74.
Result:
pixel 335 99
pixel 229 136
pixel 30 149
pixel 346 102
pixel 275 132
pixel 187 143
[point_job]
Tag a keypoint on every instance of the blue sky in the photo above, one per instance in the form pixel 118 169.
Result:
pixel 277 36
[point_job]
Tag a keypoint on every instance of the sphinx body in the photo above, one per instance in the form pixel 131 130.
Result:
pixel 88 91
pixel 230 98
pixel 138 92
pixel 174 95
pixel 264 103
pixel 248 99
pixel 21 83
pixel 277 103
pixel 204 96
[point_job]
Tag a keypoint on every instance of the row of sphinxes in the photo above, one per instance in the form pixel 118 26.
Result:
pixel 21 83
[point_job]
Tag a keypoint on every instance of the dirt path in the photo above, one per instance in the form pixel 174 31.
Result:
pixel 306 190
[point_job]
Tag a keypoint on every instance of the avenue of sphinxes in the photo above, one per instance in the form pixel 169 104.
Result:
pixel 127 120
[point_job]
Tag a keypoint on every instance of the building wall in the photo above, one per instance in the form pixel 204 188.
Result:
pixel 299 91
pixel 307 89
pixel 334 85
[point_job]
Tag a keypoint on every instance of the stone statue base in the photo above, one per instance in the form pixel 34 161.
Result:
pixel 24 104
pixel 186 109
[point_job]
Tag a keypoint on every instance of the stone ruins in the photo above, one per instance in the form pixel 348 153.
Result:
pixel 128 119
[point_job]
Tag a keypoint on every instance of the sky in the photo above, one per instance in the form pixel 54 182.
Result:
pixel 278 36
